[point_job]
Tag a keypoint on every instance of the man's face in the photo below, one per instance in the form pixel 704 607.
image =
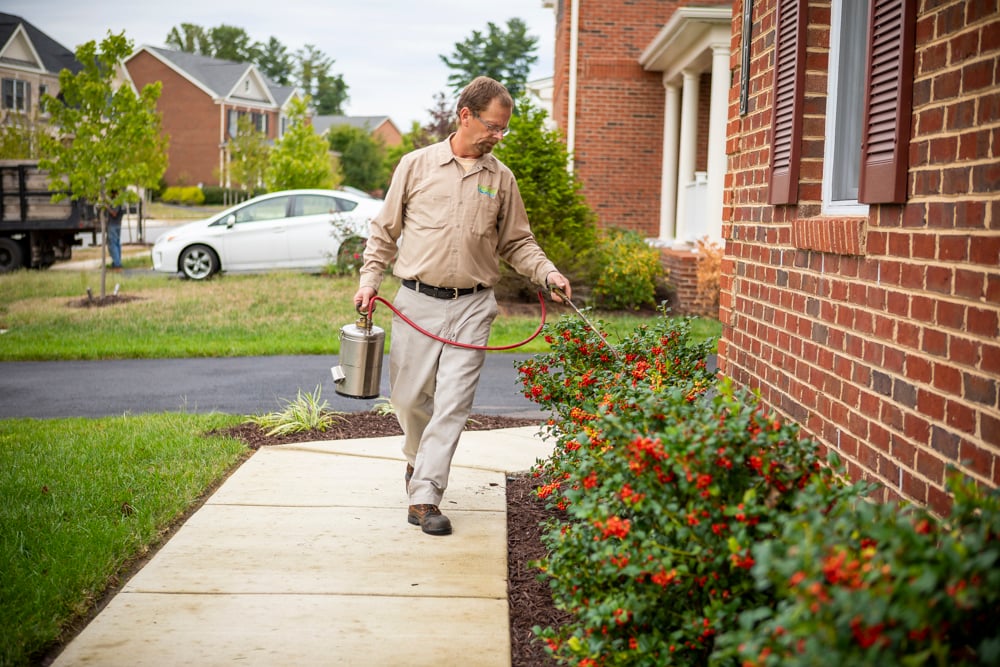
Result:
pixel 488 126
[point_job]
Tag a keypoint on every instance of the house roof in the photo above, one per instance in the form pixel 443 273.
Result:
pixel 221 78
pixel 54 56
pixel 367 123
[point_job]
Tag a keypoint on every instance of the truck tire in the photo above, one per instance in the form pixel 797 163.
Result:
pixel 11 255
pixel 198 262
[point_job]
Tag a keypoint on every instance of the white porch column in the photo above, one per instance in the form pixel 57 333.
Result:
pixel 717 115
pixel 686 151
pixel 668 178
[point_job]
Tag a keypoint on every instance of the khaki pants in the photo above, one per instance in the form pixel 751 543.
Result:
pixel 432 385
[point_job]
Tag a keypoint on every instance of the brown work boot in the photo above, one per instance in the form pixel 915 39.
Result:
pixel 408 477
pixel 430 519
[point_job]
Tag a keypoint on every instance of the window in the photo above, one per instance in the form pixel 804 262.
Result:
pixel 16 94
pixel 314 205
pixel 845 104
pixel 869 103
pixel 269 209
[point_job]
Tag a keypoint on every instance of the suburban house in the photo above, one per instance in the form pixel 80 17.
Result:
pixel 846 153
pixel 380 127
pixel 640 92
pixel 30 62
pixel 202 100
pixel 861 280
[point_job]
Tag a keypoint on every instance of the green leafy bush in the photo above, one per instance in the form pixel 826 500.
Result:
pixel 217 196
pixel 191 195
pixel 695 527
pixel 627 271
pixel 561 221
pixel 874 584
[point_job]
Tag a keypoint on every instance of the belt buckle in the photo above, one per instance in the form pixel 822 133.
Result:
pixel 454 294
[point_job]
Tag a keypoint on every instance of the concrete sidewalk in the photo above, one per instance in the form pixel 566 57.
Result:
pixel 304 557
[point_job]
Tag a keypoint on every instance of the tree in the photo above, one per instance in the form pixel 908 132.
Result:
pixel 328 92
pixel 442 118
pixel 22 136
pixel 249 153
pixel 504 56
pixel 560 218
pixel 228 42
pixel 301 158
pixel 189 38
pixel 362 157
pixel 276 62
pixel 111 138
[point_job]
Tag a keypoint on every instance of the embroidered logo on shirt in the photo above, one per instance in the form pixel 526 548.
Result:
pixel 488 191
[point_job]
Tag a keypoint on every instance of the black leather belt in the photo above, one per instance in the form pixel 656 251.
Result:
pixel 441 292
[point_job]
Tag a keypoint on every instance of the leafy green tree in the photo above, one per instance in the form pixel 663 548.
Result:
pixel 276 62
pixel 189 38
pixel 506 56
pixel 229 42
pixel 301 158
pixel 249 152
pixel 560 218
pixel 21 137
pixel 110 138
pixel 327 91
pixel 362 157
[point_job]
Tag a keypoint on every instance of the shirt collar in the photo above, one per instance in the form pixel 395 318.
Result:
pixel 445 155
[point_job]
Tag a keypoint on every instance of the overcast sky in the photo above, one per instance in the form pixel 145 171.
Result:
pixel 386 50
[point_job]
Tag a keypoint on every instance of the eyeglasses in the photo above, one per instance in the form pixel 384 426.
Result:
pixel 491 128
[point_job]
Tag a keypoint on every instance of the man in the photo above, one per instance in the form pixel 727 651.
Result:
pixel 455 211
pixel 115 213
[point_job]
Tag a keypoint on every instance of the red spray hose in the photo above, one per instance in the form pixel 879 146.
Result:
pixel 541 300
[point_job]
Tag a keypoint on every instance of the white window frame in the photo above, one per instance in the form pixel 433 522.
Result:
pixel 20 93
pixel 835 85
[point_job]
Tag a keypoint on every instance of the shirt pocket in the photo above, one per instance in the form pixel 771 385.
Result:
pixel 487 210
pixel 429 212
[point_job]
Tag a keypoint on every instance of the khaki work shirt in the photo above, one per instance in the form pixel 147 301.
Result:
pixel 451 227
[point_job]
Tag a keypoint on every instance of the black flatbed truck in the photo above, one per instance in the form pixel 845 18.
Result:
pixel 35 232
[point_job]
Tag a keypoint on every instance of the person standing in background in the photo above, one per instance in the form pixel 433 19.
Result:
pixel 115 213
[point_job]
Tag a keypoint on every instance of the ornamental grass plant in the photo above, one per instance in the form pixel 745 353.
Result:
pixel 694 526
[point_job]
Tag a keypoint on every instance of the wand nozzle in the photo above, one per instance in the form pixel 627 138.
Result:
pixel 565 299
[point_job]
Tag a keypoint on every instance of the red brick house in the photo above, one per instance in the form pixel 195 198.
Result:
pixel 640 92
pixel 202 100
pixel 860 204
pixel 861 290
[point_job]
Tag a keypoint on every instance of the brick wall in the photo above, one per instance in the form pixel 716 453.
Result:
pixel 878 334
pixel 619 131
pixel 190 120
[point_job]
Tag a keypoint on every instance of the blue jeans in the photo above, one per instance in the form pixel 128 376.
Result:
pixel 115 244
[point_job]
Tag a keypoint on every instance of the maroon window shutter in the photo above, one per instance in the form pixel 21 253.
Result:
pixel 886 129
pixel 789 91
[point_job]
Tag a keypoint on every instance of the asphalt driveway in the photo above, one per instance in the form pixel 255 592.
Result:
pixel 239 385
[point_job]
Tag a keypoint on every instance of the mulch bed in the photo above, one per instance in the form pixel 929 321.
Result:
pixel 530 601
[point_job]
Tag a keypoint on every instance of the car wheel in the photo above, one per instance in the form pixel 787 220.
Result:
pixel 11 256
pixel 198 262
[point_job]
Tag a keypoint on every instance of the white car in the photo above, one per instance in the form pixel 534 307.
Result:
pixel 292 229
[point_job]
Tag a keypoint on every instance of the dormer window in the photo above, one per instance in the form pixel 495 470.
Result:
pixel 246 86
